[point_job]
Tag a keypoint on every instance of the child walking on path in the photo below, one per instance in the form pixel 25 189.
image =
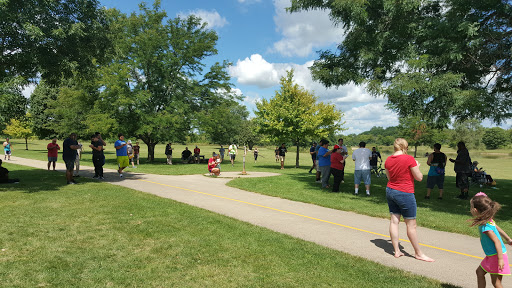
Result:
pixel 496 259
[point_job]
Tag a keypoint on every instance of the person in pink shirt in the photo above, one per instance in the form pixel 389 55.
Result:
pixel 53 149
pixel 337 164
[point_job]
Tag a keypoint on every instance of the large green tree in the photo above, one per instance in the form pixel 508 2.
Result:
pixel 51 39
pixel 157 83
pixel 495 138
pixel 432 59
pixel 295 115
pixel 13 105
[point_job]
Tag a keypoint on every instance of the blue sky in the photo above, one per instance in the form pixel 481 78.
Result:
pixel 263 41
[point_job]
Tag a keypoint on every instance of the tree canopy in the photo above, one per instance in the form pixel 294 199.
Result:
pixel 294 115
pixel 432 59
pixel 51 39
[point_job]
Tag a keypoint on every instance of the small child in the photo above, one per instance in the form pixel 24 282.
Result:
pixel 496 259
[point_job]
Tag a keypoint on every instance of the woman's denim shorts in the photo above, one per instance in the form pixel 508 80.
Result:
pixel 401 203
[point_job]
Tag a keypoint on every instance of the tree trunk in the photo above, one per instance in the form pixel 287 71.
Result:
pixel 26 143
pixel 297 158
pixel 415 150
pixel 151 151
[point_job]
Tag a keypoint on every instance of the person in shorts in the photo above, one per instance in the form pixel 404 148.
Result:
pixel 69 147
pixel 232 153
pixel 53 149
pixel 282 154
pixel 362 157
pixel 7 149
pixel 437 162
pixel 122 154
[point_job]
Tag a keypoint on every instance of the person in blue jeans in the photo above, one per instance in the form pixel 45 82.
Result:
pixel 402 170
pixel 324 162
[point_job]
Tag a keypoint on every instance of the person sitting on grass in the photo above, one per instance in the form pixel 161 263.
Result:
pixel 213 165
pixel 186 156
pixel 4 175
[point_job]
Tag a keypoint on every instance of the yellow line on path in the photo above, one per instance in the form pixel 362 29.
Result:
pixel 313 218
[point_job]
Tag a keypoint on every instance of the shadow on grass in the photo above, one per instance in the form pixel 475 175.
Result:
pixel 33 180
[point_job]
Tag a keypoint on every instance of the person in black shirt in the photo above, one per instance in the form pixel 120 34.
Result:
pixel 282 154
pixel 69 148
pixel 185 156
pixel 4 175
pixel 98 158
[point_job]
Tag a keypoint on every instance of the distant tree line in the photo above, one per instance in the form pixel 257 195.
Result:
pixel 417 133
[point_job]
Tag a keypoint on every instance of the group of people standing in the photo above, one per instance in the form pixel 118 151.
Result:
pixel 333 162
pixel 126 153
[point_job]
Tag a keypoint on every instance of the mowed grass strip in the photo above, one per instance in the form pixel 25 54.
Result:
pixel 449 214
pixel 101 235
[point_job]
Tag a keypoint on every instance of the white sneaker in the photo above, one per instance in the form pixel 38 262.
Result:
pixel 121 175
pixel 342 181
pixel 367 193
pixel 355 193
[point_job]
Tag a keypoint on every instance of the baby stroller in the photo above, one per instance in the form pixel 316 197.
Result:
pixel 378 170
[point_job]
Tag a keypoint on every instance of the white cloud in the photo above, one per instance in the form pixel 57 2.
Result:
pixel 255 71
pixel 363 118
pixel 248 1
pixel 212 18
pixel 303 32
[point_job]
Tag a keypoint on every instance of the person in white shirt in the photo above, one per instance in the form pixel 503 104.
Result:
pixel 362 158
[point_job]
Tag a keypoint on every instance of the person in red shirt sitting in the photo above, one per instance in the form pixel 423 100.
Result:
pixel 196 154
pixel 53 149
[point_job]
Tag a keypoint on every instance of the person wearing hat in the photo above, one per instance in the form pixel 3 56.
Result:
pixel 337 164
pixel 129 150
pixel 213 165
pixel 312 151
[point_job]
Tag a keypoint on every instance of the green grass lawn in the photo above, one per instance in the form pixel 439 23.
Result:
pixel 449 214
pixel 101 235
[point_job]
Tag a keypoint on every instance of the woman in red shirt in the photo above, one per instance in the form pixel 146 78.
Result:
pixel 337 163
pixel 402 170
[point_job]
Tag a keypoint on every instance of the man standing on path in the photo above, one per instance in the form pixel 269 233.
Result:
pixel 462 169
pixel 98 158
pixel 324 162
pixel 282 154
pixel 7 149
pixel 344 152
pixel 312 152
pixel 69 147
pixel 122 154
pixel 53 149
pixel 362 157
pixel 232 153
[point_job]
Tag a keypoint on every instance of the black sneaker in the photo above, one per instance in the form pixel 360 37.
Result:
pixel 95 177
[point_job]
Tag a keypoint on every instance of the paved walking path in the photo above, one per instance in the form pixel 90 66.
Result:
pixel 457 256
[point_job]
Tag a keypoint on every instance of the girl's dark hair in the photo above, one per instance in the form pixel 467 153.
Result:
pixel 335 149
pixel 486 207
